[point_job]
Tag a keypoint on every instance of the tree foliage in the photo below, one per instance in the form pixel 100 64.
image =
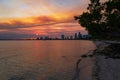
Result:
pixel 102 20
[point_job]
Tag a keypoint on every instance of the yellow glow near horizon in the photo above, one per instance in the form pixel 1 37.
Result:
pixel 42 17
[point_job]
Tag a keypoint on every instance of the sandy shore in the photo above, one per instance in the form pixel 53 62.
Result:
pixel 105 69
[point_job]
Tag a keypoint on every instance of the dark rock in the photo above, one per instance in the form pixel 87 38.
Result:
pixel 84 56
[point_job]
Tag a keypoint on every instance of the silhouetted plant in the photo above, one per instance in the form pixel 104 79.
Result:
pixel 102 20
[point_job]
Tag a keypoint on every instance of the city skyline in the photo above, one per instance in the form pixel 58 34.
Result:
pixel 24 18
pixel 40 17
pixel 75 36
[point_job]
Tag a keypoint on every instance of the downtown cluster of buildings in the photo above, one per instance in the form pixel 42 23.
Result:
pixel 76 36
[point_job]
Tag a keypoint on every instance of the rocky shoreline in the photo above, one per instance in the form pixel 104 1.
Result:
pixel 107 60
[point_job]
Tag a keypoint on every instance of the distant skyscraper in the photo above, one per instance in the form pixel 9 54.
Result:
pixel 75 37
pixel 62 37
pixel 79 35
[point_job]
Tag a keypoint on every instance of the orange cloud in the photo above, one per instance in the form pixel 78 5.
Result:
pixel 43 25
pixel 35 21
pixel 44 19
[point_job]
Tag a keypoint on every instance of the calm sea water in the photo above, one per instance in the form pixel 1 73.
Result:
pixel 45 60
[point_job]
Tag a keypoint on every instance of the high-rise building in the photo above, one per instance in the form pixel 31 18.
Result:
pixel 62 37
pixel 75 37
pixel 79 35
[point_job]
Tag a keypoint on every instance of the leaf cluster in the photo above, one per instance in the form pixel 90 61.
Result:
pixel 102 19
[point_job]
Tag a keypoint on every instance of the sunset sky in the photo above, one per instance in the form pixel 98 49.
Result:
pixel 26 18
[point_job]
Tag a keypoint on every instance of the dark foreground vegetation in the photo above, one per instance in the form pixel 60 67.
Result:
pixel 102 19
pixel 111 51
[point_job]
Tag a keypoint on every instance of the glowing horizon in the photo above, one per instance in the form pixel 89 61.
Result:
pixel 42 17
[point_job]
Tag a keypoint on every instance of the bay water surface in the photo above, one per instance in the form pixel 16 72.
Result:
pixel 45 60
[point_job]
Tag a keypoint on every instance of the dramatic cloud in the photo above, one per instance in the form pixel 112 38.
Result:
pixel 34 21
pixel 43 17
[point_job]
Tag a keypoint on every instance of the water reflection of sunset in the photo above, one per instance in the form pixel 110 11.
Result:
pixel 39 60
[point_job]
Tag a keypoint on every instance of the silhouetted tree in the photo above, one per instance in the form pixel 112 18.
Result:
pixel 101 18
pixel 112 14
